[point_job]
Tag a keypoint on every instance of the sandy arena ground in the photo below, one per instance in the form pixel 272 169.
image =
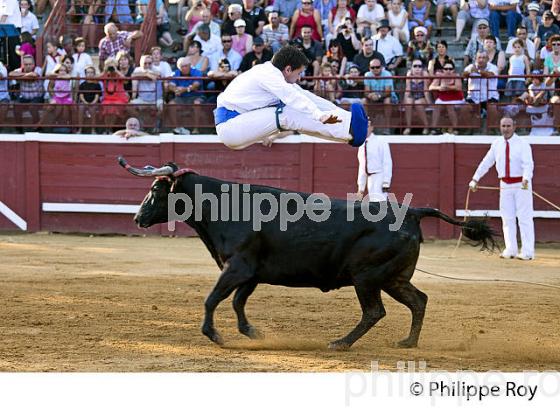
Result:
pixel 78 303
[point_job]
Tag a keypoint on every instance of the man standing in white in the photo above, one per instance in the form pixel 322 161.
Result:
pixel 514 164
pixel 375 168
pixel 258 105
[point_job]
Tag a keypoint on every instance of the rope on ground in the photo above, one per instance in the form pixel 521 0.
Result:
pixel 490 280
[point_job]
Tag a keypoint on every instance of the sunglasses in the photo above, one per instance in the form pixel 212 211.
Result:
pixel 305 2
pixel 556 44
pixel 375 67
pixel 226 41
pixel 448 68
pixel 417 66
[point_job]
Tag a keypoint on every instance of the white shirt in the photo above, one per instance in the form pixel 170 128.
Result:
pixel 233 57
pixel 4 95
pixel 210 46
pixel 29 23
pixel 390 47
pixel 371 16
pixel 163 68
pixel 482 89
pixel 81 61
pixel 215 29
pixel 264 86
pixel 378 160
pixel 10 8
pixel 529 46
pixel 520 159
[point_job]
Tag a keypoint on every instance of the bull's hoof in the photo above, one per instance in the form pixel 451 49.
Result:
pixel 339 345
pixel 214 336
pixel 407 343
pixel 251 332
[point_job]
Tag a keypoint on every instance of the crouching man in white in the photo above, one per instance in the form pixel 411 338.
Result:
pixel 514 163
pixel 375 167
pixel 258 105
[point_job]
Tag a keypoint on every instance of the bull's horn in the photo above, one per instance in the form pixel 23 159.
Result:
pixel 147 171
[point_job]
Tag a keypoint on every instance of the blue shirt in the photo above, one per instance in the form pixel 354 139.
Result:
pixel 186 83
pixel 381 83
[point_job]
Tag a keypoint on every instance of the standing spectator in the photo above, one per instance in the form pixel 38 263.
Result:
pixel 81 58
pixel 420 47
pixel 501 10
pixel 476 43
pixel 448 90
pixel 31 89
pixel 452 6
pixel 389 46
pixel 146 85
pixel 327 88
pixel 187 91
pixel 259 55
pixel 435 65
pixel 472 11
pixel 118 10
pixel 419 15
pixel 369 18
pixel 367 54
pixel 398 21
pixel 242 42
pixel 89 95
pixel 352 87
pixel 29 22
pixel 482 83
pixel 115 41
pixel 312 49
pixel 286 9
pixel 197 60
pixel 324 7
pixel 11 14
pixel 518 65
pixel 233 57
pixel 375 168
pixel 546 29
pixel 532 21
pixel 307 16
pixel 347 38
pixel 417 94
pixel 528 45
pixel 335 54
pixel 514 164
pixel 255 15
pixel 275 34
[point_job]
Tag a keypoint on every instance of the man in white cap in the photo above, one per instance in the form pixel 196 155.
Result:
pixel 375 168
pixel 476 43
pixel 514 163
pixel 262 103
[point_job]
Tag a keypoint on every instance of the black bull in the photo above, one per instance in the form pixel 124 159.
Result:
pixel 326 255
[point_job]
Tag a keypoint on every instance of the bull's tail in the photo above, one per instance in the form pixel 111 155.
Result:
pixel 477 231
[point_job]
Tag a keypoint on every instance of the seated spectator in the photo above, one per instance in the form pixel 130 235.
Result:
pixel 187 91
pixel 27 46
pixel 235 12
pixel 125 66
pixel 89 95
pixel 66 41
pixel 519 65
pixel 335 53
pixel 275 34
pixel 347 38
pixel 472 11
pixel 552 69
pixel 221 78
pixel 146 85
pixel 255 15
pixel 41 6
pixel 159 65
pixel 482 83
pixel 537 96
pixel 366 55
pixel 81 58
pixel 504 10
pixel 528 45
pixel 115 41
pixel 546 29
pixel 31 89
pixel 389 46
pixel 60 91
pixel 398 21
pixel 476 43
pixel 197 60
pixel 419 15
pixel 132 129
pixel 340 14
pixel 92 12
pixel 233 57
pixel 327 88
pixel 259 55
pixel 206 18
pixel 369 18
pixel 115 97
pixel 435 65
pixel 452 6
pixel 4 92
pixel 52 57
pixel 532 20
pixel 210 44
pixel 420 47
pixel 312 49
pixel 352 87
pixel 324 7
pixel 286 9
pixel 29 22
pixel 380 89
pixel 163 26
pixel 307 16
pixel 496 57
pixel 416 94
pixel 448 90
pixel 119 11
pixel 242 42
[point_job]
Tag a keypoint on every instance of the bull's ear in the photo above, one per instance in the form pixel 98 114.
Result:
pixel 172 165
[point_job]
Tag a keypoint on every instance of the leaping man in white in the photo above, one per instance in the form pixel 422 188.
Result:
pixel 265 102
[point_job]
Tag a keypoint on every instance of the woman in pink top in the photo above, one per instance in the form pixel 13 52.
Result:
pixel 60 87
pixel 241 42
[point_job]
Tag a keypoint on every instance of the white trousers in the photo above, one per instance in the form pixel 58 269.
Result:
pixel 375 188
pixel 517 203
pixel 254 126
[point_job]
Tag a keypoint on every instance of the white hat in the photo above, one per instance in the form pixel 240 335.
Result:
pixel 239 23
pixel 533 6
pixel 422 29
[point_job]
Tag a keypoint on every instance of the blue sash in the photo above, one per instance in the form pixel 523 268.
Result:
pixel 222 114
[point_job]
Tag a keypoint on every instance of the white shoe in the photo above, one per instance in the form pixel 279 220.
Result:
pixel 524 257
pixel 506 255
pixel 181 131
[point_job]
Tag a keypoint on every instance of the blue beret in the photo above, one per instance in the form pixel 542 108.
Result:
pixel 359 124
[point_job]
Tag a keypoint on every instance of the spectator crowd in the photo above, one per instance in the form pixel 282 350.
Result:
pixel 377 52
